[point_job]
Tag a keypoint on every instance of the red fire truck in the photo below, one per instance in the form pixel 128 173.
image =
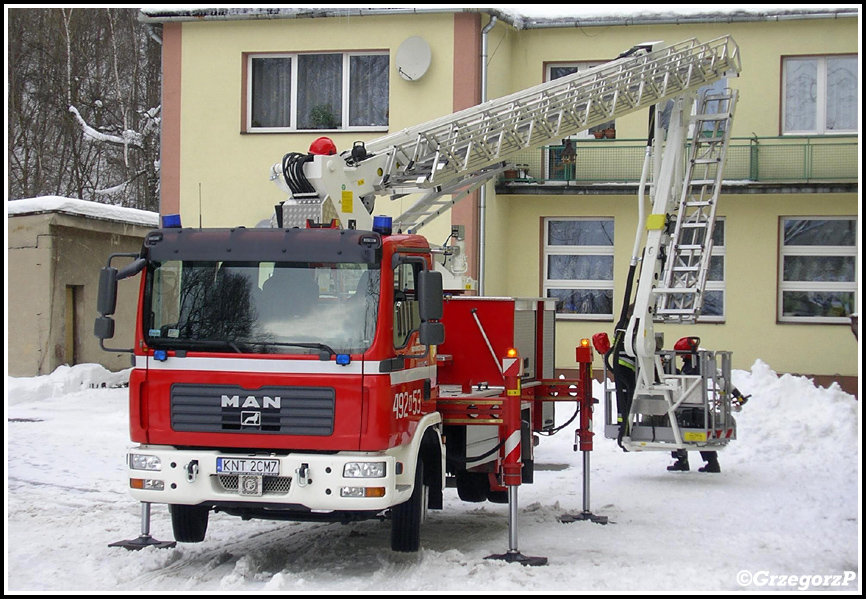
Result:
pixel 310 371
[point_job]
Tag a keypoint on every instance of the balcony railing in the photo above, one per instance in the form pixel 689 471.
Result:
pixel 749 160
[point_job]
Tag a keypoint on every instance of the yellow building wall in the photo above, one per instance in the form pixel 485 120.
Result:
pixel 761 45
pixel 231 167
pixel 514 250
pixel 501 42
pixel 751 267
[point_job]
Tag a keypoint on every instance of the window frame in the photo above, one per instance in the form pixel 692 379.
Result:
pixel 585 250
pixel 718 251
pixel 580 66
pixel 814 286
pixel 249 57
pixel 821 99
pixel 553 155
pixel 405 279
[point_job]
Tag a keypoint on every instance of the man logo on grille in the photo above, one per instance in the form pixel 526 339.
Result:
pixel 251 401
pixel 251 418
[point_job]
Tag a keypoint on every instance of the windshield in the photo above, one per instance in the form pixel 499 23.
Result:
pixel 262 307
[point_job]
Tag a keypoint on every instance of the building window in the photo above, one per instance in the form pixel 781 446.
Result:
pixel 560 160
pixel 820 95
pixel 818 269
pixel 714 291
pixel 557 70
pixel 318 91
pixel 578 266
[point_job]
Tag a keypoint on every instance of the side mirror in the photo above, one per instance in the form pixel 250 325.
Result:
pixel 106 300
pixel 430 303
pixel 106 297
pixel 431 333
pixel 103 328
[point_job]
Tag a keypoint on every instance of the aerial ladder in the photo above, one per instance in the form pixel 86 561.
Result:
pixel 668 406
pixel 455 154
pixel 444 160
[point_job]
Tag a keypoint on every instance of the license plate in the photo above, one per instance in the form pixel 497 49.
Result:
pixel 256 467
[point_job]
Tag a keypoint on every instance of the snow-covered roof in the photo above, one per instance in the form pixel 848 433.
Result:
pixel 82 208
pixel 523 17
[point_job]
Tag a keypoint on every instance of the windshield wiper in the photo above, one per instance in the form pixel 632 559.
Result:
pixel 325 351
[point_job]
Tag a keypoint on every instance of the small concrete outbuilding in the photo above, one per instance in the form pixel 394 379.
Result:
pixel 56 247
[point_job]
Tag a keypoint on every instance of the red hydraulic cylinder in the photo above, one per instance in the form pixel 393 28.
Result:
pixel 510 431
pixel 584 362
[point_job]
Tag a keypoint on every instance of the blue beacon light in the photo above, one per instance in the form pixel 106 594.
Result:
pixel 171 221
pixel 382 225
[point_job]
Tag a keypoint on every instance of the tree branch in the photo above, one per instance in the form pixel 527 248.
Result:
pixel 128 137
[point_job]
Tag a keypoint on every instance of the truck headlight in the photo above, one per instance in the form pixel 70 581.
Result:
pixel 139 461
pixel 364 470
pixel 146 484
pixel 362 491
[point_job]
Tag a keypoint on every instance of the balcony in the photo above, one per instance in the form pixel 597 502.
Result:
pixel 754 165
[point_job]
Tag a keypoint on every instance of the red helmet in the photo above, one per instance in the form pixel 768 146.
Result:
pixel 324 146
pixel 689 344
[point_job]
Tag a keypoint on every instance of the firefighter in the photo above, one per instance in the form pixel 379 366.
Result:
pixel 689 345
pixel 682 461
pixel 625 377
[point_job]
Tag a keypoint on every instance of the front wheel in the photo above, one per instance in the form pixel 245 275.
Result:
pixel 407 517
pixel 189 522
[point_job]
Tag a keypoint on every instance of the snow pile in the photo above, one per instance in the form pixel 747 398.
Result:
pixel 787 416
pixel 786 505
pixel 63 381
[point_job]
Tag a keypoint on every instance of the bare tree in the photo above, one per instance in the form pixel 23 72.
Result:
pixel 84 112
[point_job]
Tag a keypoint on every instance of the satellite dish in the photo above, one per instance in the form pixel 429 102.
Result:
pixel 413 58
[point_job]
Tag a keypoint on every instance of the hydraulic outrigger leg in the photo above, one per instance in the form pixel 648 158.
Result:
pixel 144 539
pixel 512 466
pixel 583 435
pixel 586 514
pixel 513 555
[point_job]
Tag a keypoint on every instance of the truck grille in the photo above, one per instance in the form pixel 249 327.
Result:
pixel 271 485
pixel 267 410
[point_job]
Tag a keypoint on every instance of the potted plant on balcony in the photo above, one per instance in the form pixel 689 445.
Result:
pixel 606 133
pixel 323 117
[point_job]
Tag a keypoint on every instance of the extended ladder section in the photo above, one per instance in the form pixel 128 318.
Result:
pixel 453 155
pixel 458 153
pixel 689 251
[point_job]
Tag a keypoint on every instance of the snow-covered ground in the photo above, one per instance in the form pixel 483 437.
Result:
pixel 784 513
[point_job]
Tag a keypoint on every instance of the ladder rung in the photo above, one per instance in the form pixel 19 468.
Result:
pixel 701 182
pixel 681 316
pixel 709 140
pixel 720 116
pixel 686 268
pixel 670 290
pixel 707 160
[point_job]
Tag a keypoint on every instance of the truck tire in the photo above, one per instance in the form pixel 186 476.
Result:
pixel 407 517
pixel 472 487
pixel 189 522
